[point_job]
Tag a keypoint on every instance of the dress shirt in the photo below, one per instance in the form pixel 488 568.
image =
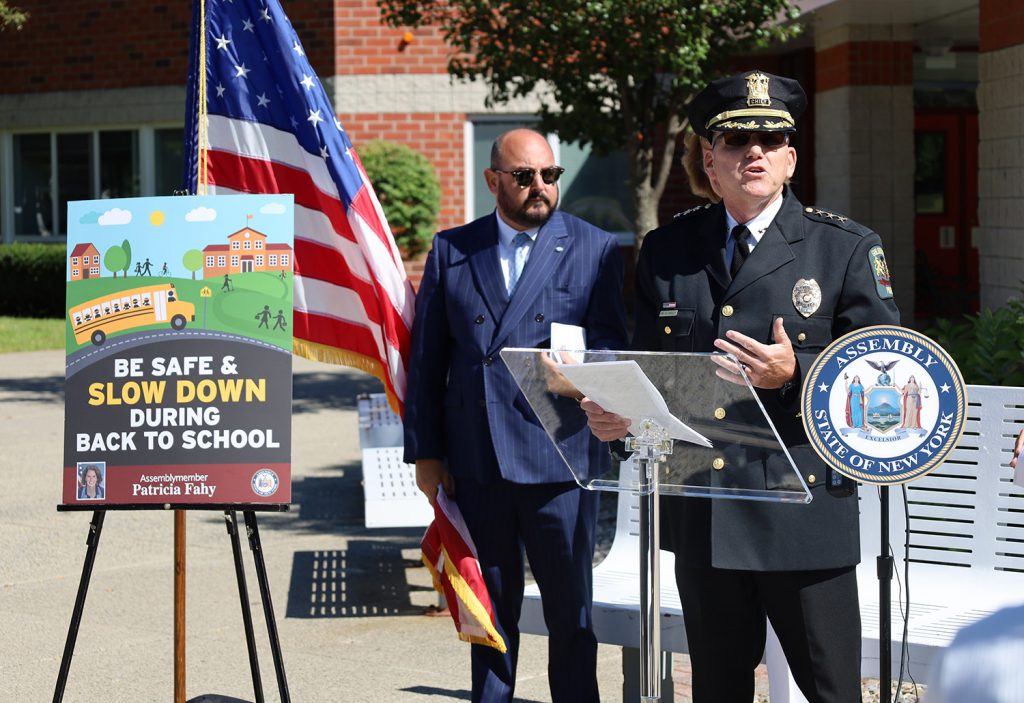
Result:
pixel 757 227
pixel 506 252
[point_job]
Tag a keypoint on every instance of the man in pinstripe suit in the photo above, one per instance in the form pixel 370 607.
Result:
pixel 470 430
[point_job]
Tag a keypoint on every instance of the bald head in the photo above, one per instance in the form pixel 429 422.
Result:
pixel 516 140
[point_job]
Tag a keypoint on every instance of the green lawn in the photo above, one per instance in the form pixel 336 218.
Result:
pixel 30 333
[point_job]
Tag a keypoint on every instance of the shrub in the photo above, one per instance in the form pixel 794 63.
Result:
pixel 988 347
pixel 32 280
pixel 408 191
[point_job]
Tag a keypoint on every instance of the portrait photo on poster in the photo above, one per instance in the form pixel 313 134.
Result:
pixel 92 477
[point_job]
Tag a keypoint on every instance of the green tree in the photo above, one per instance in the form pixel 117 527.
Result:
pixel 11 16
pixel 613 74
pixel 408 190
pixel 115 259
pixel 193 261
pixel 126 245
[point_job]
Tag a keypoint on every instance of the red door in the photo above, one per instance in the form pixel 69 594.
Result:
pixel 946 213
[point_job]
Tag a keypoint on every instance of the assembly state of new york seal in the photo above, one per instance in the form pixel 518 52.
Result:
pixel 884 405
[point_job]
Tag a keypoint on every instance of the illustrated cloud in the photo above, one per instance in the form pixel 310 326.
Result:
pixel 89 218
pixel 115 216
pixel 272 209
pixel 201 214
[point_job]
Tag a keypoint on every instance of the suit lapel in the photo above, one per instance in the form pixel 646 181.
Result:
pixel 483 261
pixel 773 250
pixel 550 250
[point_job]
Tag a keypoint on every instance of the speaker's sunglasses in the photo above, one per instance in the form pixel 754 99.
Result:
pixel 524 176
pixel 768 140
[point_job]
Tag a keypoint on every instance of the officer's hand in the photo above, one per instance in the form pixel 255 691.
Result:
pixel 766 365
pixel 606 426
pixel 556 381
pixel 1017 449
pixel 429 474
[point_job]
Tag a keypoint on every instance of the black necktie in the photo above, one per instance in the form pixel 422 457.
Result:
pixel 741 250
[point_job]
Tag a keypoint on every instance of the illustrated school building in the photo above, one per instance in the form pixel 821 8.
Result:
pixel 246 251
pixel 915 126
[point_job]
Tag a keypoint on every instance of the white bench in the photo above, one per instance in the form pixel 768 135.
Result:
pixel 966 556
pixel 391 498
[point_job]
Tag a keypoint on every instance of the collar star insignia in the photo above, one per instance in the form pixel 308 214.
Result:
pixel 823 387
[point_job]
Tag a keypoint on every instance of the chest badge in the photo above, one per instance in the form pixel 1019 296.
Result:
pixel 806 297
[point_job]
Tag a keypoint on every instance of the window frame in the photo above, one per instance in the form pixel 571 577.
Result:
pixel 146 165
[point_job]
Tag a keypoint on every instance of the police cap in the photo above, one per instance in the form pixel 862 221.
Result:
pixel 752 101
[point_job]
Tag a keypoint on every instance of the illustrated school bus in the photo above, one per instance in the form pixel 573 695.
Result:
pixel 128 309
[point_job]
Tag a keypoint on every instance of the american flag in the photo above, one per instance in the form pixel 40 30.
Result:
pixel 267 127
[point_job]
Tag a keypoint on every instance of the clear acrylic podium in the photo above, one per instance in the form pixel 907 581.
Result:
pixel 693 433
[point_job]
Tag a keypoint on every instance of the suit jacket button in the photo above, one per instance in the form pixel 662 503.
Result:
pixel 539 317
pixel 479 319
pixel 719 413
pixel 801 337
pixel 727 311
pixel 488 360
pixel 668 330
pixel 811 479
pixel 718 463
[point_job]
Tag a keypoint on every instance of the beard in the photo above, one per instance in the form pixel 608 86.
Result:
pixel 534 212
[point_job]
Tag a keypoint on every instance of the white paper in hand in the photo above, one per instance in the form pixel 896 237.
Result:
pixel 571 337
pixel 621 387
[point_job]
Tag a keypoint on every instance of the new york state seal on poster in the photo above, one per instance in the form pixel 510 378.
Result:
pixel 884 405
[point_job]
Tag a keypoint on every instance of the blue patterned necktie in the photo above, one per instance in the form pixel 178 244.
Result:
pixel 520 250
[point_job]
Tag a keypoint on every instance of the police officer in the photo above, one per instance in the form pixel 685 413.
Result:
pixel 772 282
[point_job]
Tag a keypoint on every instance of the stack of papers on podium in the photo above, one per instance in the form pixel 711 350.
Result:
pixel 621 387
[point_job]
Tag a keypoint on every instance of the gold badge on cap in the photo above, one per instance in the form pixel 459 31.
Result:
pixel 757 90
pixel 806 297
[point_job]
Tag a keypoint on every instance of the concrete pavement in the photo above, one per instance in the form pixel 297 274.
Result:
pixel 348 600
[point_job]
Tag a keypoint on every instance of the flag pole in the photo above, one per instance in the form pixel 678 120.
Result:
pixel 179 515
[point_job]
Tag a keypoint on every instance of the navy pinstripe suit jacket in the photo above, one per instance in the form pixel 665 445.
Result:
pixel 462 403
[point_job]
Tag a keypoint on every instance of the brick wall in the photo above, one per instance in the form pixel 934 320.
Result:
pixel 1000 150
pixel 101 44
pixel 438 136
pixel 1000 24
pixel 864 63
pixel 364 45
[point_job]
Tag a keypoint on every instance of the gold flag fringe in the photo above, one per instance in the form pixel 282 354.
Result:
pixel 345 357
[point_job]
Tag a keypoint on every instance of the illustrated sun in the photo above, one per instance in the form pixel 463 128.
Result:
pixel 156 218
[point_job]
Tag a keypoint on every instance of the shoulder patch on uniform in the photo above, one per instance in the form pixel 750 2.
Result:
pixel 880 270
pixel 696 208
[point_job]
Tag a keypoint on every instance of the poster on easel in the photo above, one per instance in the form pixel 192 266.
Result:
pixel 179 340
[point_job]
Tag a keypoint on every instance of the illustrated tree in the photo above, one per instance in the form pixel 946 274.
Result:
pixel 115 259
pixel 126 245
pixel 11 16
pixel 612 74
pixel 193 261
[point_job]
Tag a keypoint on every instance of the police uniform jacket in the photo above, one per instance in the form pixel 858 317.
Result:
pixel 682 267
